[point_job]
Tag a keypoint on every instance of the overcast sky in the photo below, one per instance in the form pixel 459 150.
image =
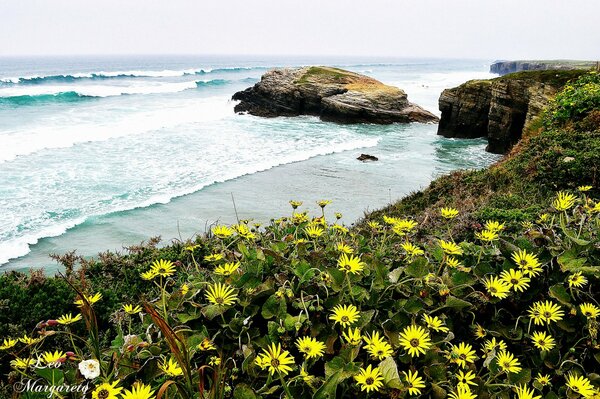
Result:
pixel 507 29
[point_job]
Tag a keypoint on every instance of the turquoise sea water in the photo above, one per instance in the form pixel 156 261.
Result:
pixel 99 153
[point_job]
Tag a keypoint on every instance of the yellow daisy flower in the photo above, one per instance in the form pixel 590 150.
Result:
pixel 508 362
pixel 352 337
pixel 49 357
pixel 213 257
pixel 222 231
pixel 494 226
pixel 350 264
pixel 314 231
pixel 449 213
pixel 244 232
pixel 344 248
pixel 377 346
pixel 545 312
pixel 577 280
pixel 8 343
pixel 584 189
pixel 434 323
pixel 21 364
pixel 149 274
pixel 515 279
pixel 323 203
pixel 450 248
pixel 29 340
pixel 310 347
pixel 526 393
pixel 170 368
pixel 465 379
pixel 415 340
pixel 92 299
pixel 564 201
pixel 403 226
pixel 164 268
pixel 107 390
pixel 412 250
pixel 68 319
pixel 346 315
pixel 462 354
pixel 462 393
pixel 132 309
pixel 277 360
pixel 295 204
pixel 452 262
pixel 479 331
pixel 138 391
pixel 221 294
pixel 227 269
pixel 414 383
pixel 491 344
pixel 486 235
pixel 580 385
pixel 543 341
pixel 589 310
pixel 543 379
pixel 497 287
pixel 206 345
pixel 369 379
pixel 528 263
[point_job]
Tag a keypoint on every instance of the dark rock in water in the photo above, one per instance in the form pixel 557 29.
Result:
pixel 367 157
pixel 506 67
pixel 332 94
pixel 501 108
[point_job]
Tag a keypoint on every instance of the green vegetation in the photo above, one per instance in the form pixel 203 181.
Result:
pixel 483 285
pixel 329 73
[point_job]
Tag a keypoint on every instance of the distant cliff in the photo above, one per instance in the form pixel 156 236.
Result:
pixel 506 67
pixel 499 109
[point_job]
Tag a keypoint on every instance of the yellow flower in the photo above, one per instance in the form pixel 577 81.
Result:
pixel 369 379
pixel 450 248
pixel 307 378
pixel 222 231
pixel 403 226
pixel 149 274
pixel 415 340
pixel 544 217
pixel 295 204
pixel 214 361
pixel 310 347
pixel 462 393
pixel 465 379
pixel 22 364
pixel 277 360
pixel 414 383
pixel 377 346
pixel 462 354
pixel 350 264
pixel 525 393
pixel 8 343
pixel 452 262
pixel 491 344
pixel 138 391
pixel 583 189
pixel 221 294
pixel 53 357
pixel 213 257
pixel 29 340
pixel 107 390
pixel 91 299
pixel 545 312
pixel 344 248
pixel 298 218
pixel 352 336
pixel 508 362
pixel 479 331
pixel 577 280
pixel 487 235
pixel 515 279
pixel 528 263
pixel 132 309
pixel 564 201
pixel 373 225
pixel 340 229
pixel 580 385
pixel 496 287
pixel 68 319
pixel 227 269
pixel 494 226
pixel 206 345
pixel 390 220
pixel 412 250
pixel 449 213
pixel 589 310
pixel 435 323
pixel 346 315
pixel 543 380
pixel 170 368
pixel 164 268
pixel 244 232
pixel 314 231
pixel 323 203
pixel 543 341
pixel 185 288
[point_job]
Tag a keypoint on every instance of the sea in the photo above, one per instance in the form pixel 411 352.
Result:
pixel 100 153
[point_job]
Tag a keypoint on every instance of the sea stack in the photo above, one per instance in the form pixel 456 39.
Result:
pixel 332 94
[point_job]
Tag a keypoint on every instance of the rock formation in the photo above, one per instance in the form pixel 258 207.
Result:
pixel 506 67
pixel 332 94
pixel 499 109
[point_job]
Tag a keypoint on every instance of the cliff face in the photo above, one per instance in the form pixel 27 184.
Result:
pixel 499 109
pixel 506 67
pixel 330 93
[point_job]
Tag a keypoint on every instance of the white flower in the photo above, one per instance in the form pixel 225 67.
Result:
pixel 90 368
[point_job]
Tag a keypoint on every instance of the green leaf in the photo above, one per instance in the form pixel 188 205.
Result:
pixel 418 268
pixel 52 375
pixel 560 293
pixel 455 303
pixel 186 317
pixel 413 305
pixel 243 391
pixel 274 306
pixel 389 372
pixel 520 378
pixel 212 311
pixel 395 274
pixel 571 235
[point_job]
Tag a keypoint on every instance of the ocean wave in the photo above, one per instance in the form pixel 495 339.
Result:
pixel 20 246
pixel 67 93
pixel 102 75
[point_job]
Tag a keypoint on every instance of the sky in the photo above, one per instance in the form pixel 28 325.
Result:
pixel 499 29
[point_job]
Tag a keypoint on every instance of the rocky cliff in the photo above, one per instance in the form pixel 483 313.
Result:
pixel 499 109
pixel 332 94
pixel 506 67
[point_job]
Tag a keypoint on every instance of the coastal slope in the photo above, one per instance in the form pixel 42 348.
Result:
pixel 333 94
pixel 506 67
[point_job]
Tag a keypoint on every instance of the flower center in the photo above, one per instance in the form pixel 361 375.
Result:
pixel 219 300
pixel 275 363
pixel 462 356
pixel 345 319
pixel 523 262
pixel 369 381
pixel 493 289
pixel 103 394
pixel 514 281
pixel 414 342
pixel 547 315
